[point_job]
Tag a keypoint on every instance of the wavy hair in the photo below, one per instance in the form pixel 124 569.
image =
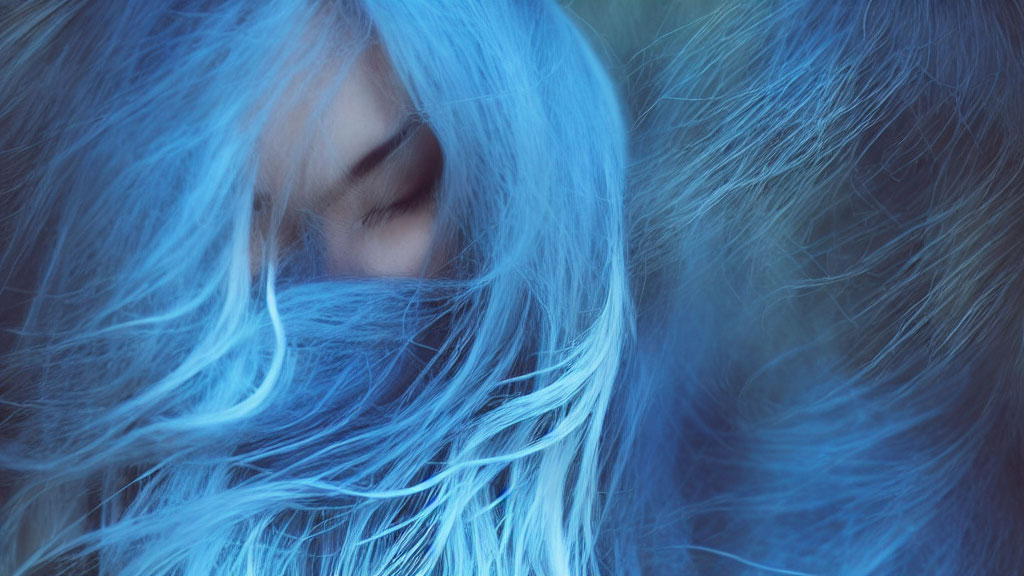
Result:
pixel 827 222
pixel 166 411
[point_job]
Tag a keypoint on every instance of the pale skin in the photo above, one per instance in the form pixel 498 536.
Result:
pixel 351 155
pixel 352 158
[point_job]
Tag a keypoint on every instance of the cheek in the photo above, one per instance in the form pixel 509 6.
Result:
pixel 398 247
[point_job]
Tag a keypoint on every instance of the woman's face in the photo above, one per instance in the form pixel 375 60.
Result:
pixel 352 159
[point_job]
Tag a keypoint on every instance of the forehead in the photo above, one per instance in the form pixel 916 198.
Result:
pixel 327 118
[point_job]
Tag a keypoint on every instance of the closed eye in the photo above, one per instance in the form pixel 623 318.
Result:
pixel 418 187
pixel 418 198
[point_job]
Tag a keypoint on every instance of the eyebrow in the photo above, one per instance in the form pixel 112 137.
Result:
pixel 369 162
pixel 375 157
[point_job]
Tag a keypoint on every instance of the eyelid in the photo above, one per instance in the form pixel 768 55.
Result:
pixel 368 169
pixel 420 196
pixel 420 182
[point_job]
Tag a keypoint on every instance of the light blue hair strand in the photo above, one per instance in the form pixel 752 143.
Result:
pixel 166 410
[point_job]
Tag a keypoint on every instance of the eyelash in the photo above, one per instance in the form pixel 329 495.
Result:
pixel 418 198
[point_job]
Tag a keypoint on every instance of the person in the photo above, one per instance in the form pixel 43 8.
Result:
pixel 374 288
pixel 306 287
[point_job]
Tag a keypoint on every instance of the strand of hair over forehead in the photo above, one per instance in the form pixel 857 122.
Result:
pixel 826 219
pixel 167 412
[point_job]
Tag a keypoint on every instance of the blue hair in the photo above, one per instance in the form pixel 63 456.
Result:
pixel 825 217
pixel 166 411
pixel 817 238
